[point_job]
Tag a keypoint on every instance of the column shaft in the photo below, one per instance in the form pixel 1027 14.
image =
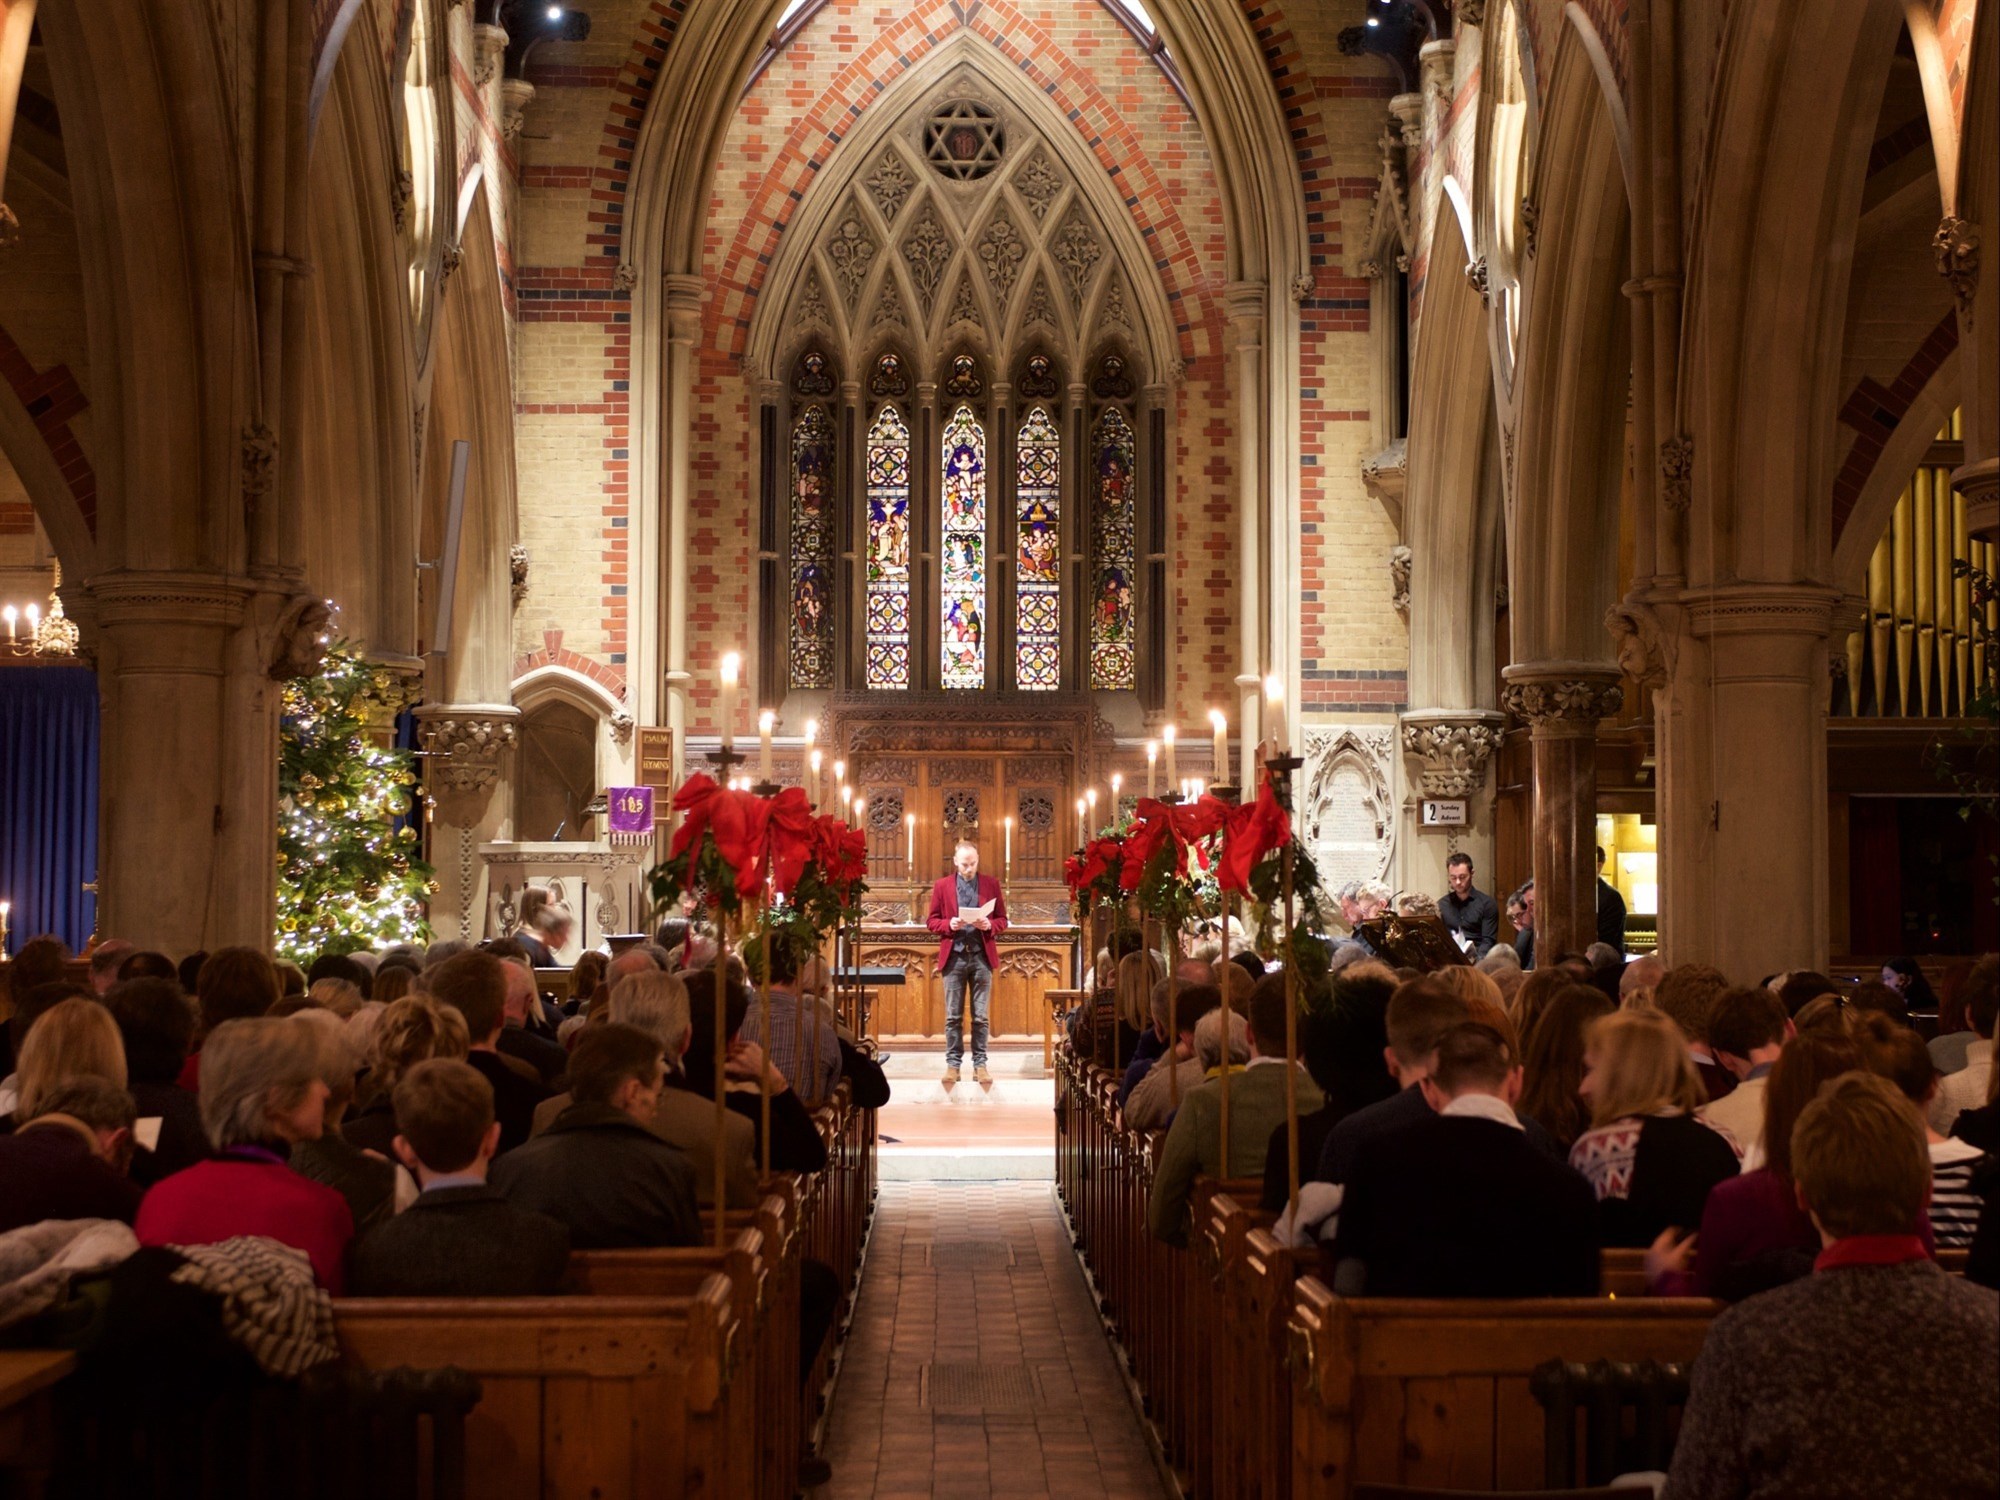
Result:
pixel 1562 703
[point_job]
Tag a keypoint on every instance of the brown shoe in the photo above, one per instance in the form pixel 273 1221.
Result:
pixel 950 1077
pixel 980 1075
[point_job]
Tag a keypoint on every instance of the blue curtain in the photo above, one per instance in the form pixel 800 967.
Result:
pixel 48 801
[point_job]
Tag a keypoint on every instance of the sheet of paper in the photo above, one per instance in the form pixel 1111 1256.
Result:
pixel 146 1132
pixel 967 915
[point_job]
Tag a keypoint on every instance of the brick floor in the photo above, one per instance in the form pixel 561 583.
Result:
pixel 1052 1417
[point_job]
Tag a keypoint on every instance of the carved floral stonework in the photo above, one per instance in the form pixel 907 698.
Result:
pixel 1452 753
pixel 260 459
pixel 622 724
pixel 926 251
pixel 811 307
pixel 1001 251
pixel 1471 12
pixel 964 305
pixel 625 278
pixel 1041 304
pixel 1040 183
pixel 890 185
pixel 464 752
pixel 517 570
pixel 1677 473
pixel 1956 249
pixel 1077 251
pixel 450 260
pixel 851 248
pixel 1573 700
pixel 889 307
pixel 1400 561
pixel 1303 286
pixel 1475 272
pixel 401 190
pixel 1531 219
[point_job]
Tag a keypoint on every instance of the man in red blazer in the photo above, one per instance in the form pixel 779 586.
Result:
pixel 967 955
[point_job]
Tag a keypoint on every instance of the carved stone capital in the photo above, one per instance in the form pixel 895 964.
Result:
pixel 1475 272
pixel 464 747
pixel 625 278
pixel 622 724
pixel 299 640
pixel 1400 561
pixel 1386 475
pixel 1647 641
pixel 1560 696
pixel 1677 473
pixel 1302 286
pixel 489 45
pixel 1955 247
pixel 516 94
pixel 517 570
pixel 1471 12
pixel 1451 751
pixel 1765 609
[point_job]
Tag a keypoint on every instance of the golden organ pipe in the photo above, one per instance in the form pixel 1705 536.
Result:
pixel 1941 556
pixel 1961 605
pixel 1881 568
pixel 1921 607
pixel 1903 582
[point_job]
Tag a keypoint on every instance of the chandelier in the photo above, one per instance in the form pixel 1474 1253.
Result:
pixel 47 637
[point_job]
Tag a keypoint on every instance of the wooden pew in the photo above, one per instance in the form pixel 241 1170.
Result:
pixel 1622 1272
pixel 582 1396
pixel 1435 1393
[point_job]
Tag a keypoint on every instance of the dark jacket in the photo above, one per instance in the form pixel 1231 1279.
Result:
pixel 368 1183
pixel 514 1097
pixel 546 1057
pixel 867 1084
pixel 610 1179
pixel 1652 1174
pixel 796 1145
pixel 182 1140
pixel 1476 919
pixel 1313 1131
pixel 1456 1206
pixel 1356 1135
pixel 460 1242
pixel 48 1171
pixel 1610 915
pixel 374 1128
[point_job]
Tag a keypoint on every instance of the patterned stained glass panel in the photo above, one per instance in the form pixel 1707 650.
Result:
pixel 1113 553
pixel 1038 555
pixel 888 611
pixel 962 577
pixel 812 549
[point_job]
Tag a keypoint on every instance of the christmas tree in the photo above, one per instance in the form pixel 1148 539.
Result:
pixel 348 876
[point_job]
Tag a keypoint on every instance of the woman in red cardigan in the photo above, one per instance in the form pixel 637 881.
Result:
pixel 261 1093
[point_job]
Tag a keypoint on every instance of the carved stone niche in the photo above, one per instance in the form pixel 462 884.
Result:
pixel 1450 751
pixel 465 748
pixel 1347 801
pixel 1386 476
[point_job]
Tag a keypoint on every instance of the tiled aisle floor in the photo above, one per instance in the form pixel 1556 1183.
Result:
pixel 965 1376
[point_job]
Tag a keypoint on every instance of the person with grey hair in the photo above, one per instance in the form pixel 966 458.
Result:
pixel 374 1188
pixel 444 948
pixel 658 1004
pixel 1151 1103
pixel 545 934
pixel 69 1160
pixel 262 1093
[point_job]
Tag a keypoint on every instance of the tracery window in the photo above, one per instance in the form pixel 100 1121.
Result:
pixel 1113 528
pixel 1038 554
pixel 812 548
pixel 962 636
pixel 889 551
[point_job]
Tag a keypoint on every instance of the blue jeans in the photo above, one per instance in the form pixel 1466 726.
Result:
pixel 957 972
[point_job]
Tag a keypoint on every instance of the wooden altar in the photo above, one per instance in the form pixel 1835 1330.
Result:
pixel 1033 961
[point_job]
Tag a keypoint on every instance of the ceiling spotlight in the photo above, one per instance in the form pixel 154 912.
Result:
pixel 1374 20
pixel 555 12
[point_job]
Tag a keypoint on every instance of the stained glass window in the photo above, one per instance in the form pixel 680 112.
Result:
pixel 1038 555
pixel 812 549
pixel 962 576
pixel 1114 553
pixel 889 551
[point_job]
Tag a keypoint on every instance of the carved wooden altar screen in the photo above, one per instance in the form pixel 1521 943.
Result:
pixel 962 764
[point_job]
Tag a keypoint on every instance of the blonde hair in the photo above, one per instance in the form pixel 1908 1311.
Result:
pixel 1472 986
pixel 74 1039
pixel 1137 974
pixel 340 996
pixel 1641 1064
pixel 658 1005
pixel 1859 1158
pixel 414 1028
pixel 253 1069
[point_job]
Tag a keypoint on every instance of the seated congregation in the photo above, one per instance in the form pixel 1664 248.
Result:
pixel 234 1174
pixel 1772 1209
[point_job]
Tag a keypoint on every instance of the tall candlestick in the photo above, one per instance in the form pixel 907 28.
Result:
pixel 1090 798
pixel 812 733
pixel 846 802
pixel 1275 729
pixel 1117 785
pixel 766 722
pixel 11 616
pixel 860 810
pixel 1007 857
pixel 1169 735
pixel 1080 834
pixel 839 771
pixel 732 666
pixel 1218 724
pixel 812 778
pixel 1152 768
pixel 910 823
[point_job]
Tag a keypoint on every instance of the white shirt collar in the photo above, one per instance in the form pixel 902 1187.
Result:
pixel 1482 1107
pixel 1258 1062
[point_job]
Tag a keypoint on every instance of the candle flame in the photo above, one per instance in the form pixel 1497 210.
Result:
pixel 1216 718
pixel 766 721
pixel 732 668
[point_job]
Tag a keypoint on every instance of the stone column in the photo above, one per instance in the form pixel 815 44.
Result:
pixel 1562 702
pixel 468 752
pixel 1448 753
pixel 1743 809
pixel 683 323
pixel 190 671
pixel 1246 304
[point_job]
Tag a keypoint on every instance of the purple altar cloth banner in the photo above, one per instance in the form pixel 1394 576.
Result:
pixel 631 814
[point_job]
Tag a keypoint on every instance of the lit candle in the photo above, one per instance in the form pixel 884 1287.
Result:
pixel 1090 797
pixel 732 666
pixel 839 771
pixel 812 778
pixel 34 620
pixel 12 615
pixel 1169 734
pixel 1117 785
pixel 846 801
pixel 1274 718
pixel 812 733
pixel 766 722
pixel 1080 835
pixel 860 807
pixel 1152 768
pixel 910 824
pixel 1007 853
pixel 1218 723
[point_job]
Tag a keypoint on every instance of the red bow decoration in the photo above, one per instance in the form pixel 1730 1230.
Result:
pixel 736 820
pixel 1155 823
pixel 1249 834
pixel 790 841
pixel 1099 858
pixel 840 852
